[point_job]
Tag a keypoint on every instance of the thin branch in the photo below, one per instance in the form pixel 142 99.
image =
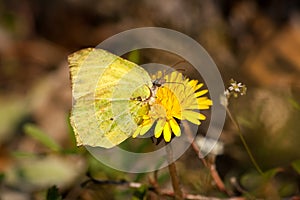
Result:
pixel 198 197
pixel 195 147
pixel 210 166
pixel 217 179
pixel 153 181
pixel 162 192
pixel 178 195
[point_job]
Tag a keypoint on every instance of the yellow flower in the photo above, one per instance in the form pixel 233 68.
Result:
pixel 178 98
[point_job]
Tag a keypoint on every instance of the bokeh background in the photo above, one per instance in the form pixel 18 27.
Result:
pixel 254 42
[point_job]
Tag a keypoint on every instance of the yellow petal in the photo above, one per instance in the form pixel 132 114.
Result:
pixel 194 121
pixel 205 101
pixel 175 127
pixel 193 83
pixel 159 128
pixel 177 115
pixel 146 117
pixel 178 78
pixel 209 102
pixel 159 74
pixel 202 117
pixel 173 76
pixel 192 106
pixel 200 93
pixel 202 107
pixel 167 132
pixel 137 132
pixel 198 86
pixel 145 128
pixel 192 116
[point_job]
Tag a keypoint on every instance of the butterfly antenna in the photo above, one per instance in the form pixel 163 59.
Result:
pixel 176 83
pixel 177 63
pixel 173 67
pixel 167 72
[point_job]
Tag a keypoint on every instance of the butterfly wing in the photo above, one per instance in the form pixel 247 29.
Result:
pixel 108 94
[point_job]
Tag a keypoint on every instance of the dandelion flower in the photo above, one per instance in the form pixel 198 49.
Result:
pixel 178 98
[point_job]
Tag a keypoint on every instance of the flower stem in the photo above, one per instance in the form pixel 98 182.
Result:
pixel 244 142
pixel 173 173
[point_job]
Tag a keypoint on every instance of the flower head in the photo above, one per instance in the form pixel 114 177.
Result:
pixel 178 98
pixel 235 89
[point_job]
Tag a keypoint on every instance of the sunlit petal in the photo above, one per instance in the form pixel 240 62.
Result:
pixel 200 93
pixel 159 128
pixel 145 128
pixel 167 132
pixel 175 127
pixel 137 132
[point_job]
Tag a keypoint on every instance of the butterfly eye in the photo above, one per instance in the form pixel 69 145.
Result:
pixel 158 82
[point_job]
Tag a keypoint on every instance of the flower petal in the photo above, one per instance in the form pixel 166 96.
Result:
pixel 173 76
pixel 145 128
pixel 175 127
pixel 204 103
pixel 177 115
pixel 202 117
pixel 167 132
pixel 137 132
pixel 200 93
pixel 194 83
pixel 192 116
pixel 159 128
pixel 194 121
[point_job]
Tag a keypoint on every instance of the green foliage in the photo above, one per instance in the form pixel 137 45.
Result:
pixel 12 111
pixel 2 176
pixel 71 134
pixel 251 181
pixel 140 193
pixel 271 173
pixel 296 166
pixel 53 194
pixel 287 189
pixel 101 171
pixel 37 134
pixel 134 56
pixel 294 103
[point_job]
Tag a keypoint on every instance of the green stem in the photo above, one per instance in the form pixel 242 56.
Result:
pixel 245 143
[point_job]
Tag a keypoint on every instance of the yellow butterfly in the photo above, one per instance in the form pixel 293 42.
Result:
pixel 108 112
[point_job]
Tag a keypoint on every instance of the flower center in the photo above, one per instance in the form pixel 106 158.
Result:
pixel 169 101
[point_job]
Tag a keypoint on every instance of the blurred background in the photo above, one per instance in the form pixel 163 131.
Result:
pixel 254 42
